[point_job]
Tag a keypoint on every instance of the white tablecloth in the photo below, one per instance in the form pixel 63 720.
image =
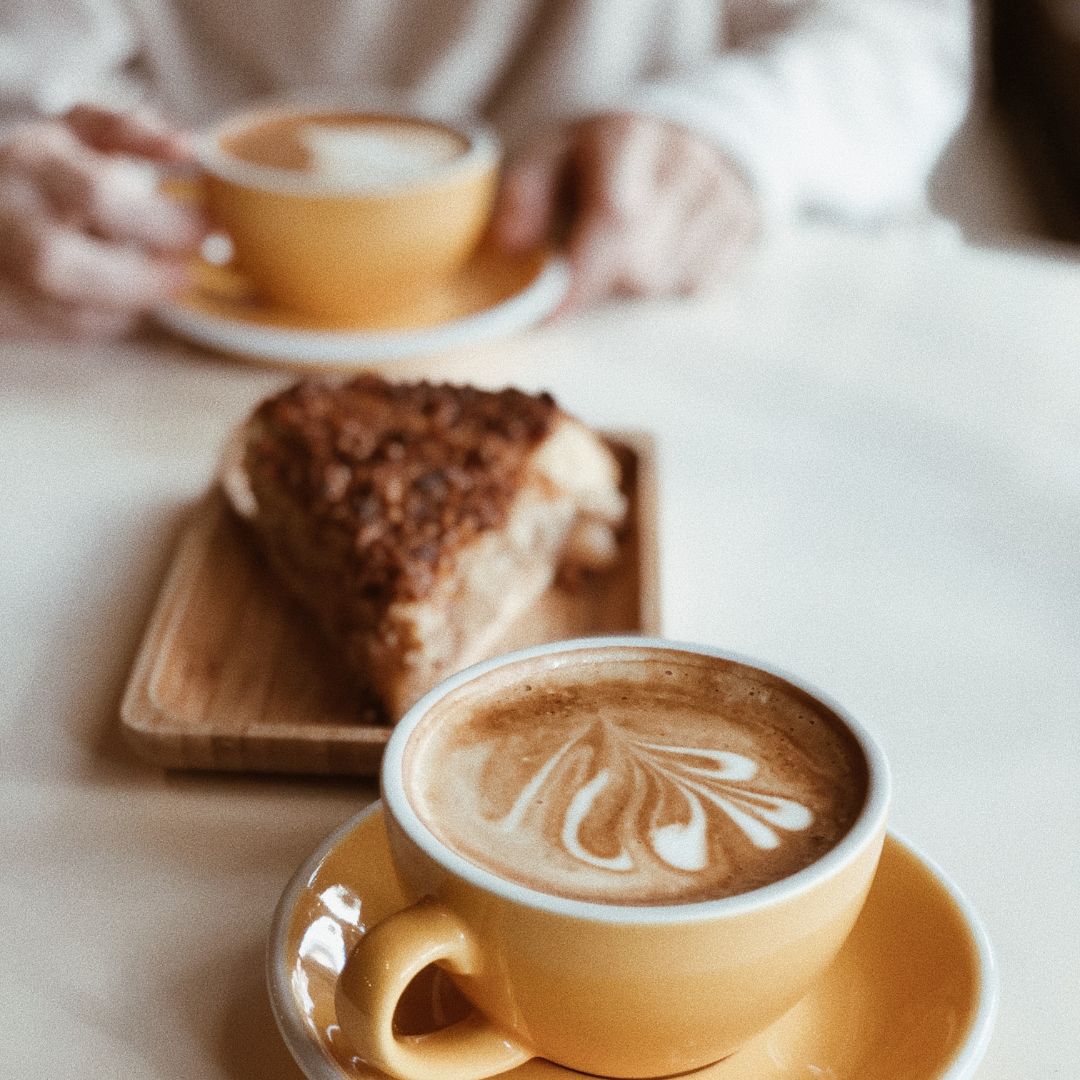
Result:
pixel 870 474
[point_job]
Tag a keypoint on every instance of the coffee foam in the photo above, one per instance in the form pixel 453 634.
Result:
pixel 647 778
pixel 365 152
pixel 377 155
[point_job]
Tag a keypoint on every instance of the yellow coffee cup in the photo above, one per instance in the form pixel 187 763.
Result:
pixel 604 988
pixel 348 216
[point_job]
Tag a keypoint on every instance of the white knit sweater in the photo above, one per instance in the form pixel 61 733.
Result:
pixel 834 106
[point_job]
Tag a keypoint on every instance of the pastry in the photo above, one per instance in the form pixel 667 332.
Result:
pixel 417 521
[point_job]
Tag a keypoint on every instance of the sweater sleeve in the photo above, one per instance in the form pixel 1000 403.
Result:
pixel 56 53
pixel 838 107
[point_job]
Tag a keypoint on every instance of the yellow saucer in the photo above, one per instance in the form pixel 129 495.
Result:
pixel 911 996
pixel 493 297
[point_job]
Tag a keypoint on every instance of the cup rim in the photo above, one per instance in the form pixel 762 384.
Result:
pixel 483 150
pixel 868 825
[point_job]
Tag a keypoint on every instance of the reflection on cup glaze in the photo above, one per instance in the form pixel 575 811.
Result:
pixel 652 781
pixel 336 925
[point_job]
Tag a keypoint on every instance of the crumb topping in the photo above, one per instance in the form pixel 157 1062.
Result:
pixel 392 478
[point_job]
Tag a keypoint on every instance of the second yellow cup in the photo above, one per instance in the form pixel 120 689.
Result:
pixel 348 216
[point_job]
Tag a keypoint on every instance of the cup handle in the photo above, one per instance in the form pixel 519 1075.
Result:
pixel 375 975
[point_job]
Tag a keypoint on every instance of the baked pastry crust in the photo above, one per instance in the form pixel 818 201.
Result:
pixel 416 521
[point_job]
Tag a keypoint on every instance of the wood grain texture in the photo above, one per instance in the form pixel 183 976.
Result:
pixel 232 675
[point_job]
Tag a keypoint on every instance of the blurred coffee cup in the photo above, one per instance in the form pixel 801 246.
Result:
pixel 348 216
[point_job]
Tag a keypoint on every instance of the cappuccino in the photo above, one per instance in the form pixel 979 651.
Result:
pixel 355 220
pixel 636 776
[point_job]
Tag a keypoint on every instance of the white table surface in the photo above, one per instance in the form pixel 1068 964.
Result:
pixel 870 474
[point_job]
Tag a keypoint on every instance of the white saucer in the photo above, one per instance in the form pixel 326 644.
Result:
pixel 491 299
pixel 912 995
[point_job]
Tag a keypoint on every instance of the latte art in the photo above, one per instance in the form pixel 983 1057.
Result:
pixel 642 784
pixel 653 777
pixel 363 152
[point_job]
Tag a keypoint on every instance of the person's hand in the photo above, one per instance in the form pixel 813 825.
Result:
pixel 87 243
pixel 651 208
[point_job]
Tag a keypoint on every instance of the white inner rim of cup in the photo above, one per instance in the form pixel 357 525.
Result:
pixel 869 823
pixel 482 150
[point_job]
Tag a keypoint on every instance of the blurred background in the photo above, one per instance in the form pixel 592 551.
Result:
pixel 1014 168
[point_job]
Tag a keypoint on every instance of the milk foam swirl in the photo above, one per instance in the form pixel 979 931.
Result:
pixel 640 781
pixel 601 764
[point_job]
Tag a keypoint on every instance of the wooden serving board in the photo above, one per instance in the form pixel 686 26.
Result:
pixel 232 675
